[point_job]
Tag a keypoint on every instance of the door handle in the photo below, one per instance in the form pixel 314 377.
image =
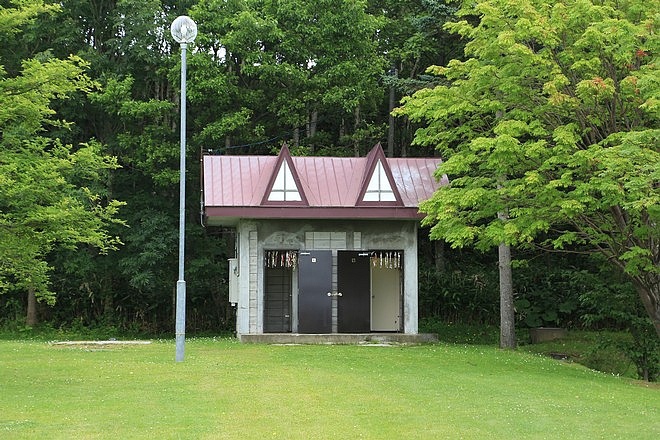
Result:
pixel 335 294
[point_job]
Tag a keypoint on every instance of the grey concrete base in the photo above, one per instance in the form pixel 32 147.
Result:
pixel 337 338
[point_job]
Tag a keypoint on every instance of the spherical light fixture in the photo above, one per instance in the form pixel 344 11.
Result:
pixel 183 29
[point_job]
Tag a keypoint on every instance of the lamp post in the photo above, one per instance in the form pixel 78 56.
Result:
pixel 184 31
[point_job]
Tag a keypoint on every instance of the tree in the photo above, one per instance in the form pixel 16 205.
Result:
pixel 552 117
pixel 135 113
pixel 265 67
pixel 51 193
pixel 411 38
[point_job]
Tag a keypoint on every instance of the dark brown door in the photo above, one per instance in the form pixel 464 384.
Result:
pixel 314 284
pixel 277 300
pixel 354 284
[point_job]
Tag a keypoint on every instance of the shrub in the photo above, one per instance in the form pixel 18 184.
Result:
pixel 613 302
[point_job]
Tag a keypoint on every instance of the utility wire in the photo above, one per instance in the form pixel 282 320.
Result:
pixel 231 147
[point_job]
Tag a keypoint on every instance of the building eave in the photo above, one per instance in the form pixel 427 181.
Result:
pixel 222 216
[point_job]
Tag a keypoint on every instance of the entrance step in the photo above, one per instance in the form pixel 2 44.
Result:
pixel 337 338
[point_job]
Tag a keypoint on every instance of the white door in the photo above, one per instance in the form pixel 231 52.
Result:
pixel 385 299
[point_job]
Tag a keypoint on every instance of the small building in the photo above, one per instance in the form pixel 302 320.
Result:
pixel 325 245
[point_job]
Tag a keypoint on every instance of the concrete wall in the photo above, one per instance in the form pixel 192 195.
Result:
pixel 255 236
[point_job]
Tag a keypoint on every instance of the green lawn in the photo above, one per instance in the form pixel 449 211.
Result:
pixel 228 390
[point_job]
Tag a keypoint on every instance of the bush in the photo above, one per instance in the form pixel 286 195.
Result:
pixel 613 302
pixel 605 355
pixel 460 333
pixel 548 296
pixel 465 291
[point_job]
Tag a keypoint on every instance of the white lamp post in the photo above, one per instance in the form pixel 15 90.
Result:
pixel 184 31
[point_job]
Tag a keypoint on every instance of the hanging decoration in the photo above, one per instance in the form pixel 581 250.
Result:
pixel 386 259
pixel 281 259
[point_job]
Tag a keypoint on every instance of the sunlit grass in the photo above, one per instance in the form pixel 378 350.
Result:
pixel 227 390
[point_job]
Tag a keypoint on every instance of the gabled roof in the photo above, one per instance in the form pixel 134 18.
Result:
pixel 241 187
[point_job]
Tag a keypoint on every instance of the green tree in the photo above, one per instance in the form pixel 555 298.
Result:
pixel 265 67
pixel 225 92
pixel 553 117
pixel 50 192
pixel 136 115
pixel 411 38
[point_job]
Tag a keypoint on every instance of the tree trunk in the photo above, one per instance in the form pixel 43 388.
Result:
pixel 440 262
pixel 507 316
pixel 356 143
pixel 31 318
pixel 648 289
pixel 108 302
pixel 507 313
pixel 390 132
pixel 405 142
pixel 312 123
pixel 296 137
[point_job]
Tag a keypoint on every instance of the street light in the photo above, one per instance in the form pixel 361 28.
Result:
pixel 184 31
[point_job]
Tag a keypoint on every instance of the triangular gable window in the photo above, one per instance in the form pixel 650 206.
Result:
pixel 284 187
pixel 379 188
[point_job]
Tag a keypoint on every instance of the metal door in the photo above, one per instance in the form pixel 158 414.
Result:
pixel 314 287
pixel 354 285
pixel 277 300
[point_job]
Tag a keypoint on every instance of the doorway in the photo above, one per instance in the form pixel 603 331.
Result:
pixel 354 285
pixel 315 292
pixel 279 284
pixel 385 299
pixel 371 289
pixel 368 295
pixel 277 300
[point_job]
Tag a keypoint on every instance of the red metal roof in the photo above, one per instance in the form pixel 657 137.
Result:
pixel 238 186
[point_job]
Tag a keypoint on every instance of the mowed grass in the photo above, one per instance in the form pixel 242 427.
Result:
pixel 228 390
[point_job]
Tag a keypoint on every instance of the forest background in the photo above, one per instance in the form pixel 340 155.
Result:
pixel 90 151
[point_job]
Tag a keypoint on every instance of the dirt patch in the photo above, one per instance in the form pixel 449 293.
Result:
pixel 98 345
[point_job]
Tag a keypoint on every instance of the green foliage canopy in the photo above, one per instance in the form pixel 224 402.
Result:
pixel 49 191
pixel 268 65
pixel 553 117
